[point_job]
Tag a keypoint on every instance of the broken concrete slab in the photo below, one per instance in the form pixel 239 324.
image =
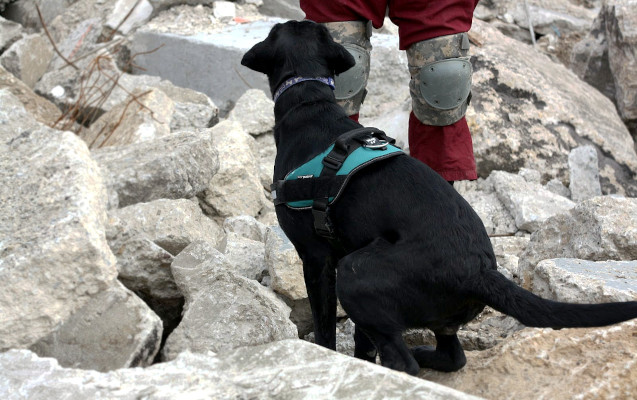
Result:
pixel 54 257
pixel 184 60
pixel 255 111
pixel 145 116
pixel 115 329
pixel 223 310
pixel 284 370
pixel 38 107
pixel 584 173
pixel 124 18
pixel 598 229
pixel 10 32
pixel 141 172
pixel 530 204
pixel 146 237
pixel 591 363
pixel 28 58
pixel 580 281
pixel 284 265
pixel 236 188
pixel 193 110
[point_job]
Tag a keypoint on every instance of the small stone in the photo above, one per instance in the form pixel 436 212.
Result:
pixel 224 10
pixel 584 171
pixel 57 92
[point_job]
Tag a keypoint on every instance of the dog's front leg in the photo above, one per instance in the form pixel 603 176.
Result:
pixel 320 280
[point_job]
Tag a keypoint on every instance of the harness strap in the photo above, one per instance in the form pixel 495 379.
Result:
pixel 302 189
pixel 326 187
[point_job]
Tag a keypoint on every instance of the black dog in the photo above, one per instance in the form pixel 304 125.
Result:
pixel 409 250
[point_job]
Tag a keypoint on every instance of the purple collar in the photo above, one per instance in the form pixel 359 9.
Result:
pixel 329 81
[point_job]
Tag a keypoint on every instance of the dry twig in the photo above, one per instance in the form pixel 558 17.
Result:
pixel 96 84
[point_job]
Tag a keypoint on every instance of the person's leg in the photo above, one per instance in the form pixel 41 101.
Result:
pixel 431 31
pixel 351 10
pixel 347 22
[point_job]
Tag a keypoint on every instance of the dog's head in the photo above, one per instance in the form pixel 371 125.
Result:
pixel 298 48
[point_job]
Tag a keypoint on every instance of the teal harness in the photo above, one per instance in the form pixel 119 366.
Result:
pixel 320 181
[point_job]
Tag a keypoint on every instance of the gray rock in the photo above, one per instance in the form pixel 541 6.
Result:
pixel 266 154
pixel 124 18
pixel 580 281
pixel 193 110
pixel 584 173
pixel 3 4
pixel 589 58
pixel 598 229
pixel 54 257
pixel 76 13
pixel 301 314
pixel 183 58
pixel 224 10
pixel 528 111
pixel 549 17
pixel 10 32
pixel 284 265
pixel 82 40
pixel 97 86
pixel 236 188
pixel 621 33
pixel 115 329
pixel 551 364
pixel 141 172
pixel 145 237
pixel 529 203
pixel 255 111
pixel 495 216
pixel 247 256
pixel 246 226
pixel 487 330
pixel 146 118
pixel 161 5
pixel 344 337
pixel 289 369
pixel 388 84
pixel 28 58
pixel 282 8
pixel 556 186
pixel 24 12
pixel 531 175
pixel 223 311
pixel 508 250
pixel 37 107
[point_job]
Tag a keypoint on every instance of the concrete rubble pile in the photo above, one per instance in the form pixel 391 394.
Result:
pixel 140 255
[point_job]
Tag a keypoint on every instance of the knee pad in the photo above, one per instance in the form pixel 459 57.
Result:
pixel 350 85
pixel 440 85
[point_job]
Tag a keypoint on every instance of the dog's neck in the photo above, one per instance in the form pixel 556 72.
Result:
pixel 329 81
pixel 307 121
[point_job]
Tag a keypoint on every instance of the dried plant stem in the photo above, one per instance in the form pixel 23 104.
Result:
pixel 48 35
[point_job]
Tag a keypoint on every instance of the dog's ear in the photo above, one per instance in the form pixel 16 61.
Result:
pixel 259 57
pixel 338 58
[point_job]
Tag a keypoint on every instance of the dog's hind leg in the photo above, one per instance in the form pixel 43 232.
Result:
pixel 448 356
pixel 364 348
pixel 370 292
pixel 393 351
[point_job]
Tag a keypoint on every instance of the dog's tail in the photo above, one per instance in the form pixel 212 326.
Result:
pixel 493 289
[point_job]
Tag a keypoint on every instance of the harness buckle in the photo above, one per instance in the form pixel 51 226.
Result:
pixel 322 223
pixel 374 143
pixel 332 162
